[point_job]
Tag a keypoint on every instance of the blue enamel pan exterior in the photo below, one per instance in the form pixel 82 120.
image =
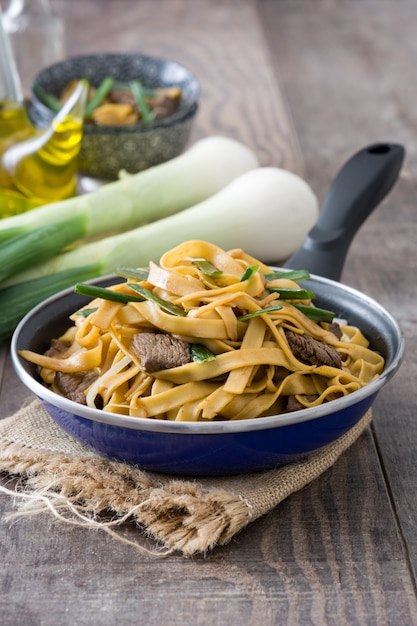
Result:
pixel 209 454
pixel 226 448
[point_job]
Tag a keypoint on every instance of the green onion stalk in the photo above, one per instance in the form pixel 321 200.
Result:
pixel 163 190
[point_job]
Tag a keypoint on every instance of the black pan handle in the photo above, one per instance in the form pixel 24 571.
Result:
pixel 358 188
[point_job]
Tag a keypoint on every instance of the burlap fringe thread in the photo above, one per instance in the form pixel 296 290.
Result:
pixel 189 516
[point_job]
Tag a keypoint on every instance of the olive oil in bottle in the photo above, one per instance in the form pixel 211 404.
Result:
pixel 13 117
pixel 36 166
pixel 49 173
pixel 37 37
pixel 40 166
pixel 13 114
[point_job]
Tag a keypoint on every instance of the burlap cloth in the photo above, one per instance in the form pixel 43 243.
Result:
pixel 59 474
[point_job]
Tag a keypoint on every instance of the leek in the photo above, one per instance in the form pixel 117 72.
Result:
pixel 206 267
pixel 138 93
pixel 266 211
pixel 251 212
pixel 157 192
pixel 28 249
pixel 18 300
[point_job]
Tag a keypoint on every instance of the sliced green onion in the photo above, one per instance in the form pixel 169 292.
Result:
pixel 132 272
pixel 101 92
pixel 138 93
pixel 290 293
pixel 206 267
pixel 86 312
pixel 270 309
pixel 147 91
pixel 46 98
pixel 149 295
pixel 201 354
pixel 249 272
pixel 315 313
pixel 106 294
pixel 291 275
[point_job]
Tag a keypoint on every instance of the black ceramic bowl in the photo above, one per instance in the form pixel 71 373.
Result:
pixel 105 150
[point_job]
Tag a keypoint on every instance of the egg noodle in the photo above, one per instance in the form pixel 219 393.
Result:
pixel 247 368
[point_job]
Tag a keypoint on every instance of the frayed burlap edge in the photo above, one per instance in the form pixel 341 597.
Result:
pixel 189 516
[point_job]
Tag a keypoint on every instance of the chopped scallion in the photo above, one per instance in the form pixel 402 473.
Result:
pixel 249 272
pixel 201 354
pixel 86 312
pixel 152 297
pixel 315 313
pixel 270 309
pixel 106 294
pixel 290 274
pixel 206 267
pixel 101 92
pixel 145 111
pixel 131 272
pixel 289 293
pixel 46 98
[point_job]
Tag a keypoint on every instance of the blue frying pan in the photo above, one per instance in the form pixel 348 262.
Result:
pixel 226 448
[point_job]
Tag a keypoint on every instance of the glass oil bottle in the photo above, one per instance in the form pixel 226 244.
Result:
pixel 37 37
pixel 36 166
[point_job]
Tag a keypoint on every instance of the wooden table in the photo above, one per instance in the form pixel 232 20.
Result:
pixel 305 84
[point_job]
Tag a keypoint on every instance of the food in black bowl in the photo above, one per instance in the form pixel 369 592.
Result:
pixel 153 125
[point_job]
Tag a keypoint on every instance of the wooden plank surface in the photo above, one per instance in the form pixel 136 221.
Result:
pixel 343 550
pixel 238 87
pixel 348 86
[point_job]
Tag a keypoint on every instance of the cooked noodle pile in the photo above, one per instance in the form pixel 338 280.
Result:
pixel 210 356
